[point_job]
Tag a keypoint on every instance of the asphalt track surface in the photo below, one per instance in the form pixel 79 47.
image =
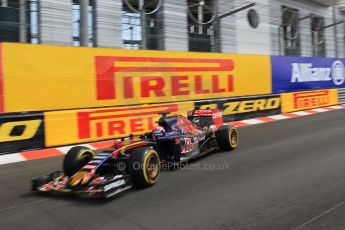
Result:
pixel 288 174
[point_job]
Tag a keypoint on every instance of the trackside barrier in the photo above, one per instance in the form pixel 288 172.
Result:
pixel 48 78
pixel 77 126
pixel 308 99
pixel 25 131
pixel 341 96
pixel 240 108
pixel 306 73
pixel 21 132
pixel 78 95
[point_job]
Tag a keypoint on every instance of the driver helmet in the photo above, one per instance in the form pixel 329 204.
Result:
pixel 158 131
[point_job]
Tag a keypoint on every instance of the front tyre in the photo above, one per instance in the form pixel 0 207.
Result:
pixel 227 138
pixel 144 167
pixel 76 158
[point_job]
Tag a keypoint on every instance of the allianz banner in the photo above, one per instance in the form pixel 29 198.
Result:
pixel 306 73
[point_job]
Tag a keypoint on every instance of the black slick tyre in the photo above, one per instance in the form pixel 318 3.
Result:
pixel 144 166
pixel 227 138
pixel 76 158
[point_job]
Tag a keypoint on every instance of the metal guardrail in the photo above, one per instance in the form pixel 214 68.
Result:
pixel 341 96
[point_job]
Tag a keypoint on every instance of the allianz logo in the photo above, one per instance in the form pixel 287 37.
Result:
pixel 305 72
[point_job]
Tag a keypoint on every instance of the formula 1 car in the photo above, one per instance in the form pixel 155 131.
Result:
pixel 136 161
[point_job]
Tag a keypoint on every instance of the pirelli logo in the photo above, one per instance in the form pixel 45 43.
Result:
pixel 312 99
pixel 120 121
pixel 143 77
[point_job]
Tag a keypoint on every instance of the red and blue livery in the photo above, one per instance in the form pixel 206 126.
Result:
pixel 137 160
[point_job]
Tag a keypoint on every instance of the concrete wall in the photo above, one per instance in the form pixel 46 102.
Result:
pixel 227 27
pixel 236 35
pixel 56 22
pixel 253 40
pixel 108 23
pixel 305 8
pixel 175 28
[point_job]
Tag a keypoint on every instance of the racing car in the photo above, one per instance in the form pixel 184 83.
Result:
pixel 136 160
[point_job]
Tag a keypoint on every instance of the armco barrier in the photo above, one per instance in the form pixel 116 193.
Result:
pixel 235 109
pixel 92 94
pixel 308 99
pixel 341 96
pixel 21 132
pixel 306 73
pixel 78 126
pixel 42 78
pixel 28 131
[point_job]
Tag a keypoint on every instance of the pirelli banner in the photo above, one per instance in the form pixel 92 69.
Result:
pixel 87 125
pixel 21 131
pixel 241 108
pixel 308 99
pixel 77 126
pixel 46 78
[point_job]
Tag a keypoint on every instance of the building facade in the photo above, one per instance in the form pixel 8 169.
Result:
pixel 276 27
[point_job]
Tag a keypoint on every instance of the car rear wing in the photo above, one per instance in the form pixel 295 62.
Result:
pixel 206 117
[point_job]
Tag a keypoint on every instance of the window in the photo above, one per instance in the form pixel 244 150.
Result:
pixel 19 21
pixel 76 15
pixel 142 24
pixel 290 28
pixel 318 38
pixel 201 14
pixel 32 8
pixel 9 21
pixel 131 29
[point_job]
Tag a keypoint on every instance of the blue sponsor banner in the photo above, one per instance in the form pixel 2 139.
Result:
pixel 306 73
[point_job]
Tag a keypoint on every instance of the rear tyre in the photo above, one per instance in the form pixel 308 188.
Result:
pixel 144 167
pixel 76 158
pixel 227 138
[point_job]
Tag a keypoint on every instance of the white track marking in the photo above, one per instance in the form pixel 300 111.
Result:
pixel 22 205
pixel 65 149
pixel 252 121
pixel 336 107
pixel 320 110
pixel 279 117
pixel 319 216
pixel 11 158
pixel 301 113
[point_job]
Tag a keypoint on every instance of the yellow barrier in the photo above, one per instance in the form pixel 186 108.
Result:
pixel 308 99
pixel 41 78
pixel 77 126
pixel 88 125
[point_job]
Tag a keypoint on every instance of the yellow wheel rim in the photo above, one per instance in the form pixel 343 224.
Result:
pixel 151 164
pixel 233 137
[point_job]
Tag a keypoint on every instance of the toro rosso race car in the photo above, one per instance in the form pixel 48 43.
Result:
pixel 136 161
